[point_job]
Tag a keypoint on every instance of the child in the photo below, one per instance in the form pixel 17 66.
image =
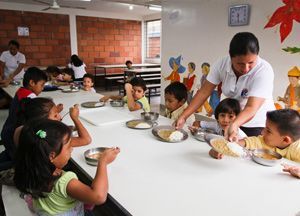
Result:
pixel 45 108
pixel 68 75
pixel 281 134
pixel 189 81
pixel 33 84
pixel 225 113
pixel 88 83
pixel 135 99
pixel 54 73
pixel 293 170
pixel 77 65
pixel 44 149
pixel 128 64
pixel 175 100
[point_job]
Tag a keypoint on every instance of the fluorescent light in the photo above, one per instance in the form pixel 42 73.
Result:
pixel 130 7
pixel 155 8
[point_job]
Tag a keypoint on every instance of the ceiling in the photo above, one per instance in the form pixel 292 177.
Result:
pixel 113 6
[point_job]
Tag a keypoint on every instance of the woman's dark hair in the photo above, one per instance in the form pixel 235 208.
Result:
pixel 287 122
pixel 228 105
pixel 88 76
pixel 34 74
pixel 177 89
pixel 243 43
pixel 53 70
pixel 76 61
pixel 70 72
pixel 14 43
pixel 138 81
pixel 205 64
pixel 36 108
pixel 192 65
pixel 33 168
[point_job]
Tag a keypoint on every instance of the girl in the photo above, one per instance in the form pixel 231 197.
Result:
pixel 225 113
pixel 53 191
pixel 45 108
pixel 88 83
pixel 78 67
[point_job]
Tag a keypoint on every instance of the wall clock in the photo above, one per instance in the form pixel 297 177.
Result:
pixel 239 15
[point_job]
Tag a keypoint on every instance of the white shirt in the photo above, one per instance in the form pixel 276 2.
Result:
pixel 78 71
pixel 258 82
pixel 12 63
pixel 214 125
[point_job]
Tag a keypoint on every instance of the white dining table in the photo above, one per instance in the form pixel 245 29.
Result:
pixel 150 177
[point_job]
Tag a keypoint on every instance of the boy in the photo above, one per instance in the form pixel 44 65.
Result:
pixel 54 73
pixel 88 83
pixel 281 134
pixel 135 99
pixel 175 100
pixel 128 64
pixel 33 84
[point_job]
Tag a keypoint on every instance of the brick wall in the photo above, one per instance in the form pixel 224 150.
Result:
pixel 49 36
pixel 108 41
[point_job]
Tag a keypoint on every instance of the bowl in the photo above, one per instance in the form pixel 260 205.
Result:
pixel 201 133
pixel 117 103
pixel 93 104
pixel 150 116
pixel 93 155
pixel 266 157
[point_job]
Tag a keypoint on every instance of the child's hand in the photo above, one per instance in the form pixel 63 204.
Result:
pixel 60 107
pixel 293 170
pixel 74 111
pixel 109 155
pixel 104 98
pixel 128 87
pixel 214 154
pixel 196 124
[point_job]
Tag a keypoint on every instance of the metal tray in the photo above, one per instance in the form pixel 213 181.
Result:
pixel 70 90
pixel 157 132
pixel 92 104
pixel 134 124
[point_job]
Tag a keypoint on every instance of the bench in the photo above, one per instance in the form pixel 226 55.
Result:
pixel 152 90
pixel 13 203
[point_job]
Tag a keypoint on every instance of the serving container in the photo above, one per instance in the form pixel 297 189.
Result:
pixel 93 104
pixel 149 116
pixel 266 157
pixel 89 155
pixel 117 103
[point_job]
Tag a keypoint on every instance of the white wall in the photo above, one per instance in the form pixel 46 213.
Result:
pixel 199 31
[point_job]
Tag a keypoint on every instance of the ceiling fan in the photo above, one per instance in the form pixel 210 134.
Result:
pixel 55 6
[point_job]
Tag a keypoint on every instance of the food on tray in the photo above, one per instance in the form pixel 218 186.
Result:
pixel 133 123
pixel 236 148
pixel 221 146
pixel 266 156
pixel 142 125
pixel 95 155
pixel 171 135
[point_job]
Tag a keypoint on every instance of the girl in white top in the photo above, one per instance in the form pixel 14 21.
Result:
pixel 245 77
pixel 78 67
pixel 12 63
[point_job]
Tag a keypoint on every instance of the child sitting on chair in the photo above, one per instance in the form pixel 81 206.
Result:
pixel 135 95
pixel 88 83
pixel 281 134
pixel 175 100
pixel 225 113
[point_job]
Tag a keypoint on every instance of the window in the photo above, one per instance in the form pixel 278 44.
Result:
pixel 152 33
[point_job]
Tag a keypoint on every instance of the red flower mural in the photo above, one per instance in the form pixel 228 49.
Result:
pixel 285 15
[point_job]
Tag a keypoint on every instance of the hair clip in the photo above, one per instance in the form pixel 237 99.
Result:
pixel 42 134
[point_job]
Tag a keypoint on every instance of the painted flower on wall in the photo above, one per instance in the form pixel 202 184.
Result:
pixel 285 16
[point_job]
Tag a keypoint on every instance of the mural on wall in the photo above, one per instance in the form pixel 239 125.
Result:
pixel 190 80
pixel 291 98
pixel 177 68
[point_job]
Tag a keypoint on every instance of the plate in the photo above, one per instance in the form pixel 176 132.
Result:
pixel 139 124
pixel 163 133
pixel 266 157
pixel 70 90
pixel 221 146
pixel 92 104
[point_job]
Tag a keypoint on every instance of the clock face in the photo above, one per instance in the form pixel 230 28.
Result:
pixel 238 15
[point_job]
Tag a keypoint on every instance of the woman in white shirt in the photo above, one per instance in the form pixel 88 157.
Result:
pixel 245 77
pixel 78 67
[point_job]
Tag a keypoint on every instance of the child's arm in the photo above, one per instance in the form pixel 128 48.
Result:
pixel 84 137
pixel 132 105
pixel 60 107
pixel 293 170
pixel 97 192
pixel 113 97
pixel 214 154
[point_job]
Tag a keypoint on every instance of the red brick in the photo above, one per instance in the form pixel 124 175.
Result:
pixel 99 48
pixel 39 55
pixel 88 48
pixel 118 37
pixel 58 35
pixel 109 48
pixel 103 43
pixel 109 37
pixel 32 62
pixel 46 48
pixel 114 54
pixel 92 30
pixel 52 42
pixel 38 42
pixel 136 38
pixel 24 41
pixel 37 28
pixel 8 26
pixel 63 29
pixel 104 54
pixel 3 34
pixel 31 48
pixel 123 43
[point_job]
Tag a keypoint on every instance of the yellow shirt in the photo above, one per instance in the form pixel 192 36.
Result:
pixel 292 152
pixel 142 101
pixel 176 113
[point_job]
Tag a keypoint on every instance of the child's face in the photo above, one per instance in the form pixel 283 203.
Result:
pixel 54 114
pixel 172 103
pixel 272 137
pixel 294 81
pixel 129 65
pixel 191 70
pixel 205 69
pixel 63 157
pixel 67 77
pixel 138 92
pixel 224 119
pixel 87 82
pixel 38 87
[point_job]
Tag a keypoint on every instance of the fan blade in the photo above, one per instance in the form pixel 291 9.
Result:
pixel 46 8
pixel 42 2
pixel 63 6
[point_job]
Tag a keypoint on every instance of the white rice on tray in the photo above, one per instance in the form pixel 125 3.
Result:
pixel 176 136
pixel 142 125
